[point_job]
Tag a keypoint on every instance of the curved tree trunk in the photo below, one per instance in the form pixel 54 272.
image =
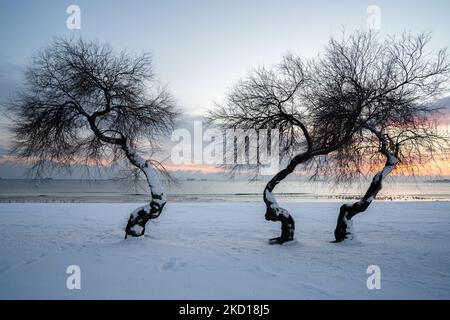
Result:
pixel 139 217
pixel 344 227
pixel 273 211
pixel 276 213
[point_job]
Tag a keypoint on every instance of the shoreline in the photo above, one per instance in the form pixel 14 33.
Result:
pixel 216 198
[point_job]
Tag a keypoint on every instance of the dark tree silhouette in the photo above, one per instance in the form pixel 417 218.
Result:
pixel 85 103
pixel 327 109
pixel 344 227
pixel 392 82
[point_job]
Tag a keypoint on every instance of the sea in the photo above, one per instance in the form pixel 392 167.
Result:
pixel 205 190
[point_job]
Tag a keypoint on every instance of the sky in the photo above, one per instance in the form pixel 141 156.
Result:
pixel 200 48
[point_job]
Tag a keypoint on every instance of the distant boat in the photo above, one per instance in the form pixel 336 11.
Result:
pixel 190 179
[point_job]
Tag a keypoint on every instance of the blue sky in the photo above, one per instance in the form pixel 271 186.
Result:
pixel 200 48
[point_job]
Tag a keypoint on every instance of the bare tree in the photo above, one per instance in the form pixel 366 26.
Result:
pixel 85 103
pixel 340 108
pixel 279 98
pixel 392 82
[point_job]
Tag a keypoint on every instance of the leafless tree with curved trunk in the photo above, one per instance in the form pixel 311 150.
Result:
pixel 394 82
pixel 335 112
pixel 85 103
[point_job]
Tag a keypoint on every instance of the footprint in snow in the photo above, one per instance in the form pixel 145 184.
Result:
pixel 172 264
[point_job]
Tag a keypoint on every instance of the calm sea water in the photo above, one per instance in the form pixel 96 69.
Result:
pixel 210 190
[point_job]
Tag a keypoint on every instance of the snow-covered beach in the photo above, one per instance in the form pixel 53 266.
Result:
pixel 220 251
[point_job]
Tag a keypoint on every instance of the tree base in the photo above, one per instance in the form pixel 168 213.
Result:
pixel 344 231
pixel 280 240
pixel 287 225
pixel 136 223
pixel 139 218
pixel 134 229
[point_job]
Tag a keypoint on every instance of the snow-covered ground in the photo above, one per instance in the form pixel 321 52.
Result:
pixel 220 251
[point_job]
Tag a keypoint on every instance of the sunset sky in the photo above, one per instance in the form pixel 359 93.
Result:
pixel 200 48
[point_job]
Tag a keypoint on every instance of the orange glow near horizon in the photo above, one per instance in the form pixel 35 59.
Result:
pixel 432 168
pixel 193 168
pixel 438 167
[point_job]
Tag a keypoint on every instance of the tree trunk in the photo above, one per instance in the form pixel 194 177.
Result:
pixel 276 213
pixel 139 217
pixel 344 227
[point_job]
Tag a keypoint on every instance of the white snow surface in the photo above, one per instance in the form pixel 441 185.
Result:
pixel 221 251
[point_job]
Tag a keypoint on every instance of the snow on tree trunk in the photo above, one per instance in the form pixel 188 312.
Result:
pixel 273 210
pixel 140 216
pixel 276 213
pixel 344 228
